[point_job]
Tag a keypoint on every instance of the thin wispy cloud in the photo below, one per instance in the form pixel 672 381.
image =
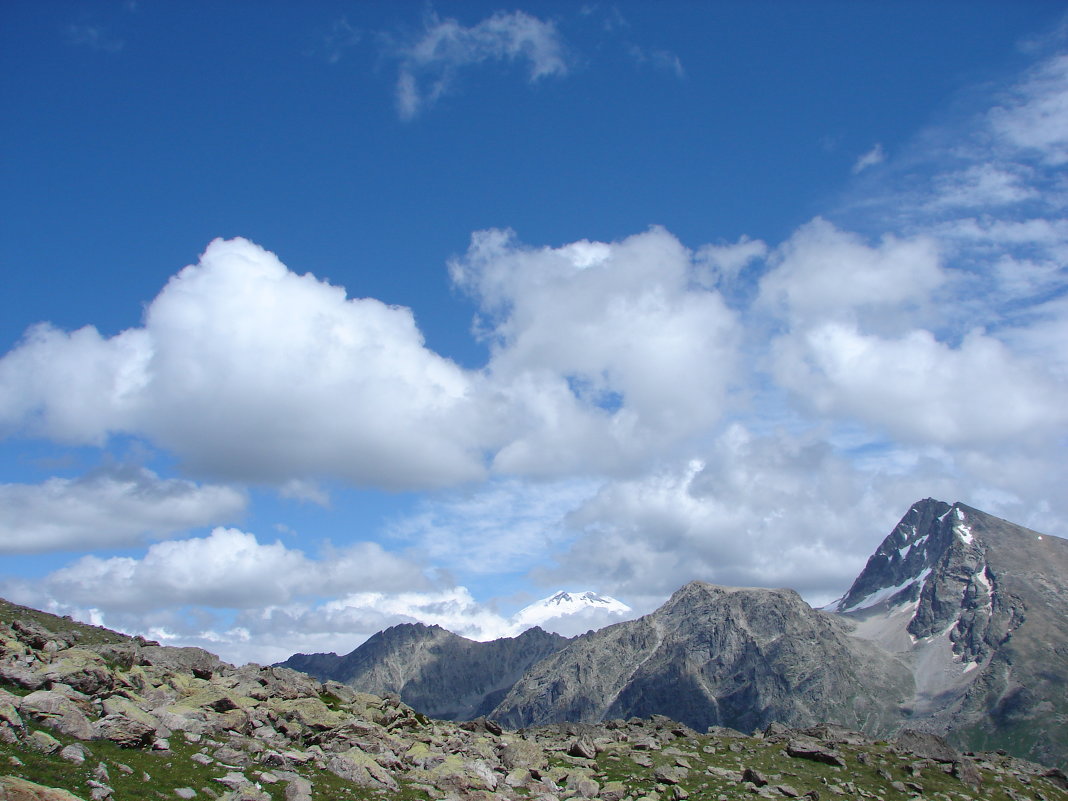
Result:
pixel 341 37
pixel 657 59
pixel 431 64
pixel 95 37
pixel 874 156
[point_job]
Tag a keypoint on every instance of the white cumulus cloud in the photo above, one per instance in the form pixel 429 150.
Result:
pixel 823 272
pixel 251 372
pixel 921 389
pixel 603 354
pixel 227 569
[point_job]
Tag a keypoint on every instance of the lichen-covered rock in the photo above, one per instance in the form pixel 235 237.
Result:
pixel 59 712
pixel 522 753
pixel 21 675
pixel 80 669
pixel 308 712
pixel 299 790
pixel 44 742
pixel 583 748
pixel 13 788
pixel 75 753
pixel 196 661
pixel 124 731
pixel 359 768
pixel 117 705
pixel 9 712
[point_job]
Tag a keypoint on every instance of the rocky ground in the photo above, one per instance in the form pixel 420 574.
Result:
pixel 89 714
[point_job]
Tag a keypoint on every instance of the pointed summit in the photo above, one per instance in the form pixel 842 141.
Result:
pixel 896 572
pixel 978 606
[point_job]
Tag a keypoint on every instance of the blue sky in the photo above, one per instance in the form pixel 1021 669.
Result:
pixel 322 317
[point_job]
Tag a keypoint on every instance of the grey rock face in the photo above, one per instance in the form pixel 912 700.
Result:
pixel 433 670
pixel 715 656
pixel 982 618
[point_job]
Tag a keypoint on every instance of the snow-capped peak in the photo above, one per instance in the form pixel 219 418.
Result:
pixel 581 599
pixel 591 607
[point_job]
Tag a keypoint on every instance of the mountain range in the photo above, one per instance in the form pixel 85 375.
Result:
pixel 957 625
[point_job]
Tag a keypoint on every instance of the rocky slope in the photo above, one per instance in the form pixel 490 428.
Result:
pixel 978 607
pixel 433 670
pixel 90 714
pixel 717 656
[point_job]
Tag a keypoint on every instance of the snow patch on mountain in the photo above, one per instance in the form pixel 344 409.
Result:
pixel 886 593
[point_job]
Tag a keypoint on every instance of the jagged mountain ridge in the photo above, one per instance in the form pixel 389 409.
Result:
pixel 958 624
pixel 441 674
pixel 716 656
pixel 87 713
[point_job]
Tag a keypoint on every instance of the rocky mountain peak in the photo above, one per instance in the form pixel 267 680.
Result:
pixel 958 625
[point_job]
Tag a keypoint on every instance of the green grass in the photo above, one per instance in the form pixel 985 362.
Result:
pixel 168 771
pixel 804 775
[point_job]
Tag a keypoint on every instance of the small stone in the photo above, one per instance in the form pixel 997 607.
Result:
pixel 233 780
pixel 185 792
pixel 124 731
pixel 582 747
pixel 804 748
pixel 45 742
pixel 968 775
pixel 74 753
pixel 754 776
pixel 98 791
pixel 299 789
pixel 669 774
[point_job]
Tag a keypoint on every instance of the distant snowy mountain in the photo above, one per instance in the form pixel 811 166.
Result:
pixel 570 613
